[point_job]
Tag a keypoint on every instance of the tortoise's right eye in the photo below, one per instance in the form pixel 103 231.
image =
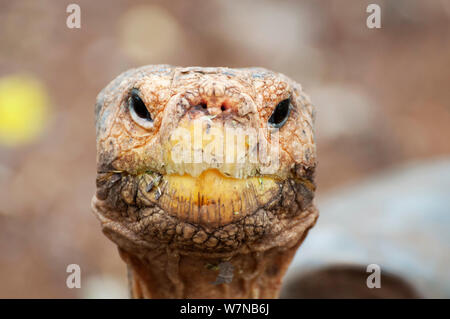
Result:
pixel 138 110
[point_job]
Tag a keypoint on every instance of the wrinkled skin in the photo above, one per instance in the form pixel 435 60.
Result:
pixel 174 237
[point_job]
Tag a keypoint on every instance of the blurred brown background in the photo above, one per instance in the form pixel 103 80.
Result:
pixel 382 99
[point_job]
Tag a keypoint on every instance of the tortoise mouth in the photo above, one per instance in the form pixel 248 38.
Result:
pixel 213 199
pixel 210 212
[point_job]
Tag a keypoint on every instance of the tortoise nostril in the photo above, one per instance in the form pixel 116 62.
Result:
pixel 223 107
pixel 203 105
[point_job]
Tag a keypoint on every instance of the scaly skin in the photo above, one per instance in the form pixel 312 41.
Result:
pixel 203 230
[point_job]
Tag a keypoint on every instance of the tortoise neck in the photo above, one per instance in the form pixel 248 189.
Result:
pixel 168 274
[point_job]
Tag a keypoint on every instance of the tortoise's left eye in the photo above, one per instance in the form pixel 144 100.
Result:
pixel 138 110
pixel 280 114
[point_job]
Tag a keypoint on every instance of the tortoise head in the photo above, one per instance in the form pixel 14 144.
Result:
pixel 203 159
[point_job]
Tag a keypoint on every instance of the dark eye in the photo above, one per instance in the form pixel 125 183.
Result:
pixel 138 110
pixel 281 113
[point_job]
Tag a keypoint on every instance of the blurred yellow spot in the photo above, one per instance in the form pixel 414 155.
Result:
pixel 23 109
pixel 149 34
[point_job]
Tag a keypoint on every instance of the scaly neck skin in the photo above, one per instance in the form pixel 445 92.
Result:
pixel 157 271
pixel 167 274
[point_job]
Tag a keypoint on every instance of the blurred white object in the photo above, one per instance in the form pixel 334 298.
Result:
pixel 103 287
pixel 399 220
